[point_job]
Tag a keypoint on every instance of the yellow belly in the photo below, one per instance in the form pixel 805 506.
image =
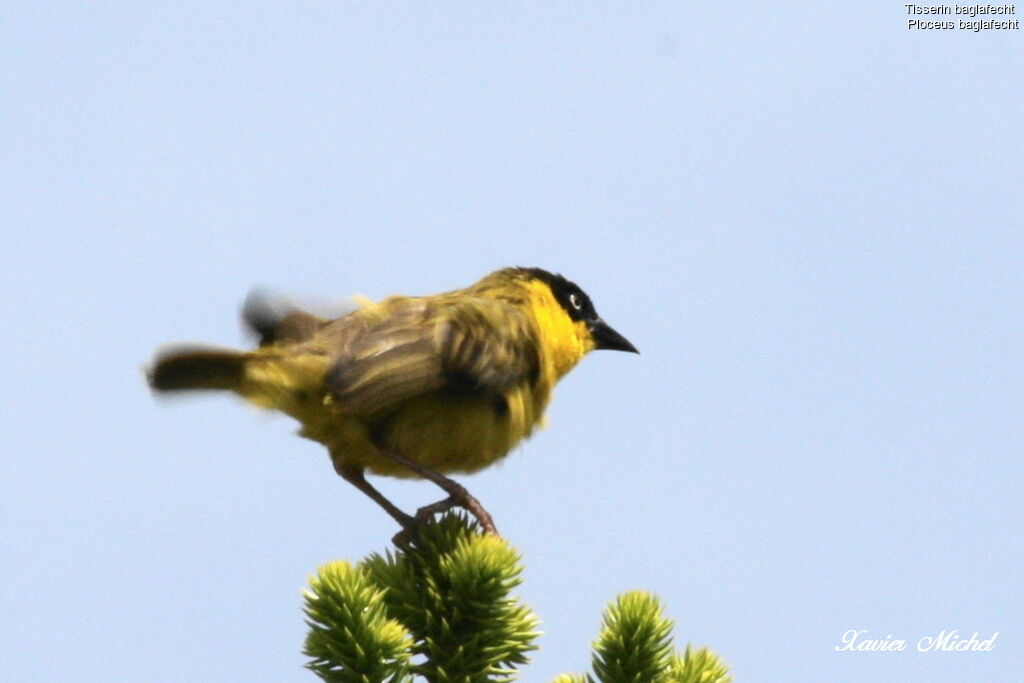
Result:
pixel 442 432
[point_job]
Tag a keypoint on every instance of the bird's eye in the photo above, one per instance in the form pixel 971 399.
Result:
pixel 575 301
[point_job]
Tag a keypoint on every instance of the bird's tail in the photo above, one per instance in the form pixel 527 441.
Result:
pixel 191 368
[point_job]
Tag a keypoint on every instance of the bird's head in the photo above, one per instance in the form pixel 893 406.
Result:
pixel 569 325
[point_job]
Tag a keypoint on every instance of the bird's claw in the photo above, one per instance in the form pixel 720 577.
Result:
pixel 426 513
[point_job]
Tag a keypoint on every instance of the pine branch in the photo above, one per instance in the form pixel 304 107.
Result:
pixel 449 591
pixel 351 638
pixel 452 590
pixel 635 643
pixel 698 666
pixel 635 646
pixel 441 610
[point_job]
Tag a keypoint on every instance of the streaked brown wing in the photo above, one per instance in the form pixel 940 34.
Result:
pixel 278 321
pixel 424 345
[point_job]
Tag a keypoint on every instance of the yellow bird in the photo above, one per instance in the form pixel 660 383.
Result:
pixel 411 386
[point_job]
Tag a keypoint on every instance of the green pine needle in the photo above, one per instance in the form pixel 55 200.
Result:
pixel 441 609
pixel 351 637
pixel 635 642
pixel 443 602
pixel 452 589
pixel 698 666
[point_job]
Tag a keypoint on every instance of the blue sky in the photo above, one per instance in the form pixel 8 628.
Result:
pixel 808 218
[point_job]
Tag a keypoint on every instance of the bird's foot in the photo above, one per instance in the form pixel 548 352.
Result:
pixel 426 513
pixel 460 498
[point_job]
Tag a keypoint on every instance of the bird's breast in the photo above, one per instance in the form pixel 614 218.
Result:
pixel 446 432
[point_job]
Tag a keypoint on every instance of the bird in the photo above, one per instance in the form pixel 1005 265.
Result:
pixel 409 386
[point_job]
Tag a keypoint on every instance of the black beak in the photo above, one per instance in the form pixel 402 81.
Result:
pixel 607 338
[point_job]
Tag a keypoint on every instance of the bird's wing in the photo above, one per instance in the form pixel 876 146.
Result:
pixel 408 347
pixel 278 321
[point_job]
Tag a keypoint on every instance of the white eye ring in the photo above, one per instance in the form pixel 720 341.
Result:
pixel 575 301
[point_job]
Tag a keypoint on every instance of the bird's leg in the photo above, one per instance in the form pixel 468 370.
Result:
pixel 458 496
pixel 355 476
